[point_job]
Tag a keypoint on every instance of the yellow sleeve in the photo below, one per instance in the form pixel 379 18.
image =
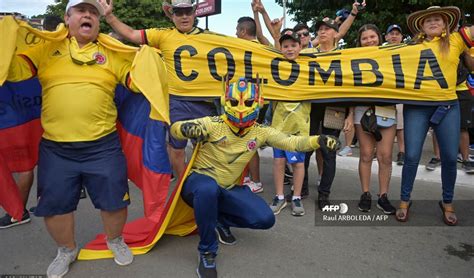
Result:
pixel 283 141
pixel 204 124
pixel 121 68
pixel 456 41
pixel 153 37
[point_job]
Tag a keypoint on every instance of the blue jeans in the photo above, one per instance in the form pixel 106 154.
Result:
pixel 237 207
pixel 416 123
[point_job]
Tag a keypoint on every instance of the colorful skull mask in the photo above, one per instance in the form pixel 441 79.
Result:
pixel 242 101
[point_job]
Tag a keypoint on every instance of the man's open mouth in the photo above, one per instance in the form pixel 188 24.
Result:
pixel 86 26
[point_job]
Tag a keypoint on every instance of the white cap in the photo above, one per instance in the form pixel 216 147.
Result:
pixel 73 3
pixel 182 3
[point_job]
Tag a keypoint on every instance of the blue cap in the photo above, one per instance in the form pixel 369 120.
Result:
pixel 394 26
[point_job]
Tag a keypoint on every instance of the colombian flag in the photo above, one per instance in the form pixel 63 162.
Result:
pixel 20 133
pixel 144 143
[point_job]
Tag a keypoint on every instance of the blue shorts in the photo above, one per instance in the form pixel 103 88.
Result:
pixel 63 168
pixel 182 110
pixel 291 157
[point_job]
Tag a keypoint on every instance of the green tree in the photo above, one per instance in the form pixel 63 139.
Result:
pixel 138 14
pixel 382 13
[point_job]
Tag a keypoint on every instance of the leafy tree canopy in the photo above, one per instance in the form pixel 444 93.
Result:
pixel 138 14
pixel 382 13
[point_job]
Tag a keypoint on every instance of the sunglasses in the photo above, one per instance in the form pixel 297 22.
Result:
pixel 79 62
pixel 303 34
pixel 183 11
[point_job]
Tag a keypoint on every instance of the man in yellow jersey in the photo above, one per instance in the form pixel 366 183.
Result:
pixel 229 142
pixel 80 145
pixel 182 107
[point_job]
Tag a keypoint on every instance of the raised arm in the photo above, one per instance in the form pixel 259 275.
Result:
pixel 346 25
pixel 273 26
pixel 119 27
pixel 261 38
pixel 286 142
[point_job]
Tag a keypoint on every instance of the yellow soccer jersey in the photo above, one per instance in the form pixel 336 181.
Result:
pixel 224 155
pixel 78 87
pixel 166 39
pixel 291 117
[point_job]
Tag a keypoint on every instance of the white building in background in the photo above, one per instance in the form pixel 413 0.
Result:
pixel 14 14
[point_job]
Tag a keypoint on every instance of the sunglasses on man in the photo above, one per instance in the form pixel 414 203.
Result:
pixel 183 11
pixel 303 34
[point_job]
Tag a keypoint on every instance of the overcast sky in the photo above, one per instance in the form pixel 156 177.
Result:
pixel 224 23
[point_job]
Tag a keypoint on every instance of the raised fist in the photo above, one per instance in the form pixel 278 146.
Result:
pixel 194 131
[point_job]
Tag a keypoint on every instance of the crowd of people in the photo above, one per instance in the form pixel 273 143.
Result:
pixel 80 145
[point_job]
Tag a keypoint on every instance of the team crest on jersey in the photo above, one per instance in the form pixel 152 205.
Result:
pixel 251 145
pixel 99 57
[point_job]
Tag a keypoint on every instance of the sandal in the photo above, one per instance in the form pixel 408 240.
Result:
pixel 452 220
pixel 400 215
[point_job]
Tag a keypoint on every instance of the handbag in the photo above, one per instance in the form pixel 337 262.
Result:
pixel 386 116
pixel 334 117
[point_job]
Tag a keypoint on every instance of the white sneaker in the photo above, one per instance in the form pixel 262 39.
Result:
pixel 346 151
pixel 122 254
pixel 246 181
pixel 60 265
pixel 256 187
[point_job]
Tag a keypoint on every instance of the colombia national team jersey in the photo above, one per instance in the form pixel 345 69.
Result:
pixel 78 87
pixel 223 155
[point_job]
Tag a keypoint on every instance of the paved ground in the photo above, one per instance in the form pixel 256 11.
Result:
pixel 294 247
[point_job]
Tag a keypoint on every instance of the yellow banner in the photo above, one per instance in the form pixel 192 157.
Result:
pixel 397 73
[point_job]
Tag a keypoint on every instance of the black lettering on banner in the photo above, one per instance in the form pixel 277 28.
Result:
pixel 335 67
pixel 355 65
pixel 427 55
pixel 249 71
pixel 248 65
pixel 397 67
pixel 211 59
pixel 295 72
pixel 177 63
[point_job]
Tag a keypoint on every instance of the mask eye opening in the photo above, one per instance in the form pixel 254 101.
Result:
pixel 249 102
pixel 233 102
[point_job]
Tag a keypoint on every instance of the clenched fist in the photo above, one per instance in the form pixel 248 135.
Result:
pixel 194 131
pixel 329 143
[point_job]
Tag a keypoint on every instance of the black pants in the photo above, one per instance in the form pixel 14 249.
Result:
pixel 329 158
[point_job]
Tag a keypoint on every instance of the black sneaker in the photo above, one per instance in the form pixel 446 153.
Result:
pixel 468 167
pixel 384 205
pixel 323 200
pixel 434 162
pixel 224 235
pixel 7 221
pixel 365 202
pixel 400 158
pixel 207 265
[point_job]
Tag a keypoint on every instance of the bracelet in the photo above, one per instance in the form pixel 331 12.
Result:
pixel 353 14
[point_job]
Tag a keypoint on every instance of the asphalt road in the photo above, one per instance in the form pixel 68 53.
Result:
pixel 294 247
